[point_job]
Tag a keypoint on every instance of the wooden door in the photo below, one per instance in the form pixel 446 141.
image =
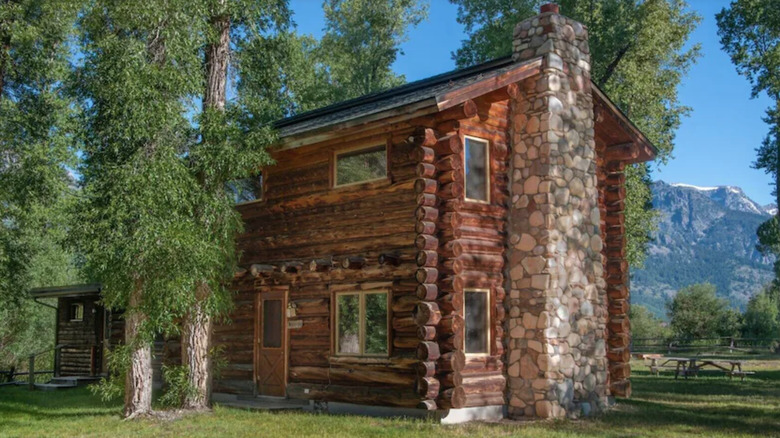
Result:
pixel 272 343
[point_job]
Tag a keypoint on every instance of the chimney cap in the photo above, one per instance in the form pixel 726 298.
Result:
pixel 550 7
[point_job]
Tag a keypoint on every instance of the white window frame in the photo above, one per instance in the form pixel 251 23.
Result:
pixel 78 314
pixel 466 166
pixel 361 323
pixel 356 150
pixel 488 322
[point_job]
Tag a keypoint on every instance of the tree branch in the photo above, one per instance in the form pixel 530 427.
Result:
pixel 613 65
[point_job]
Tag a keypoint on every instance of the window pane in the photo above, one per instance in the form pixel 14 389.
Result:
pixel 376 323
pixel 477 316
pixel 476 170
pixel 348 328
pixel 246 190
pixel 363 165
pixel 272 323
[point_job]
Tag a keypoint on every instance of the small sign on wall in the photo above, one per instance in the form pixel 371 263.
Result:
pixel 294 323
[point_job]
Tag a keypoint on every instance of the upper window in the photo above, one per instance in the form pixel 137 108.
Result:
pixel 477 321
pixel 360 166
pixel 76 312
pixel 362 324
pixel 476 168
pixel 247 189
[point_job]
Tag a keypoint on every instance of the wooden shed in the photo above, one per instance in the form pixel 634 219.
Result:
pixel 84 329
pixel 455 244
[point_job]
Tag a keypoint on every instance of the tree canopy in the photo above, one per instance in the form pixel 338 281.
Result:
pixel 36 151
pixel 639 59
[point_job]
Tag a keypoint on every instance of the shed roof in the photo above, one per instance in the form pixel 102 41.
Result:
pixel 73 290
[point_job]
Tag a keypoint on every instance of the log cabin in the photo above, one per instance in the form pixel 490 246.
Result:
pixel 84 329
pixel 453 245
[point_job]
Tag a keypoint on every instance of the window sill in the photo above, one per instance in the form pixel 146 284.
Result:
pixel 366 360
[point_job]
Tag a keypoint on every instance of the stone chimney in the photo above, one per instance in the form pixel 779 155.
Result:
pixel 556 354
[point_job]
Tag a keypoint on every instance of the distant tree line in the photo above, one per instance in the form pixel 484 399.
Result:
pixel 697 312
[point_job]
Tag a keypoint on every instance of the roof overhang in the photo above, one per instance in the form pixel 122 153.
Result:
pixel 75 290
pixel 458 92
pixel 625 143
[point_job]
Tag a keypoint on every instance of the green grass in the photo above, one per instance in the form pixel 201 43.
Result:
pixel 710 406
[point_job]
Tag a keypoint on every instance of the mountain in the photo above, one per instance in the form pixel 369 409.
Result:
pixel 705 234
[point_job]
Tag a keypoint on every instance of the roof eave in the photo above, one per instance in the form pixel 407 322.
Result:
pixel 74 290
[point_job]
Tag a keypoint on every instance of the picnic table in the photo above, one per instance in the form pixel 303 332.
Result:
pixel 691 366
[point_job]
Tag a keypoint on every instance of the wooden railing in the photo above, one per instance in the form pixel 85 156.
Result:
pixel 9 376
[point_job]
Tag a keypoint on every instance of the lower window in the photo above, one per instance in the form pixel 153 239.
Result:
pixel 477 321
pixel 362 324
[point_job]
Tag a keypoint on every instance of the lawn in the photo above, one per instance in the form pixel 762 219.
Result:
pixel 710 406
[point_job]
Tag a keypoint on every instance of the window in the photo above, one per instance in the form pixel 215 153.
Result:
pixel 361 324
pixel 247 189
pixel 477 321
pixel 361 166
pixel 476 169
pixel 76 312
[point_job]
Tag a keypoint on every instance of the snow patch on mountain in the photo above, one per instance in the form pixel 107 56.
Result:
pixel 730 197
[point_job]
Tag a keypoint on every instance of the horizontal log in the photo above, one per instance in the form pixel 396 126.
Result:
pixel 426 332
pixel 406 342
pixel 483 383
pixel 355 394
pixel 425 368
pixel 428 351
pixel 449 163
pixel 425 227
pixel 448 145
pixel 405 303
pixel 426 242
pixel 428 258
pixel 353 262
pixel 426 185
pixel 452 398
pixel 621 388
pixel 427 199
pixel 257 270
pixel 484 399
pixel 425 170
pixel 405 324
pixel 427 275
pixel 451 302
pixel 427 313
pixel 392 259
pixel 451 361
pixel 619 355
pixel 620 371
pixel 427 387
pixel 427 291
pixel 451 324
pixel 619 325
pixel 423 154
pixel 320 265
pixel 351 375
pixel 424 213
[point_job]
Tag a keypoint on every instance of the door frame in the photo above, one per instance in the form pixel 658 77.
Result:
pixel 271 292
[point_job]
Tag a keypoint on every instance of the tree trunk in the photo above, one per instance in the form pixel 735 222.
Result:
pixel 196 341
pixel 196 330
pixel 217 53
pixel 138 383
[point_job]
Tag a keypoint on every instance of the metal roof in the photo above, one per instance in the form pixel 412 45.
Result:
pixel 74 290
pixel 395 97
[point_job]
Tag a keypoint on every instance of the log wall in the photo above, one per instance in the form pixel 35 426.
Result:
pixel 317 240
pixel 81 355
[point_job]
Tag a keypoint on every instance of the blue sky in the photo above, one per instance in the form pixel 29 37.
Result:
pixel 715 144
